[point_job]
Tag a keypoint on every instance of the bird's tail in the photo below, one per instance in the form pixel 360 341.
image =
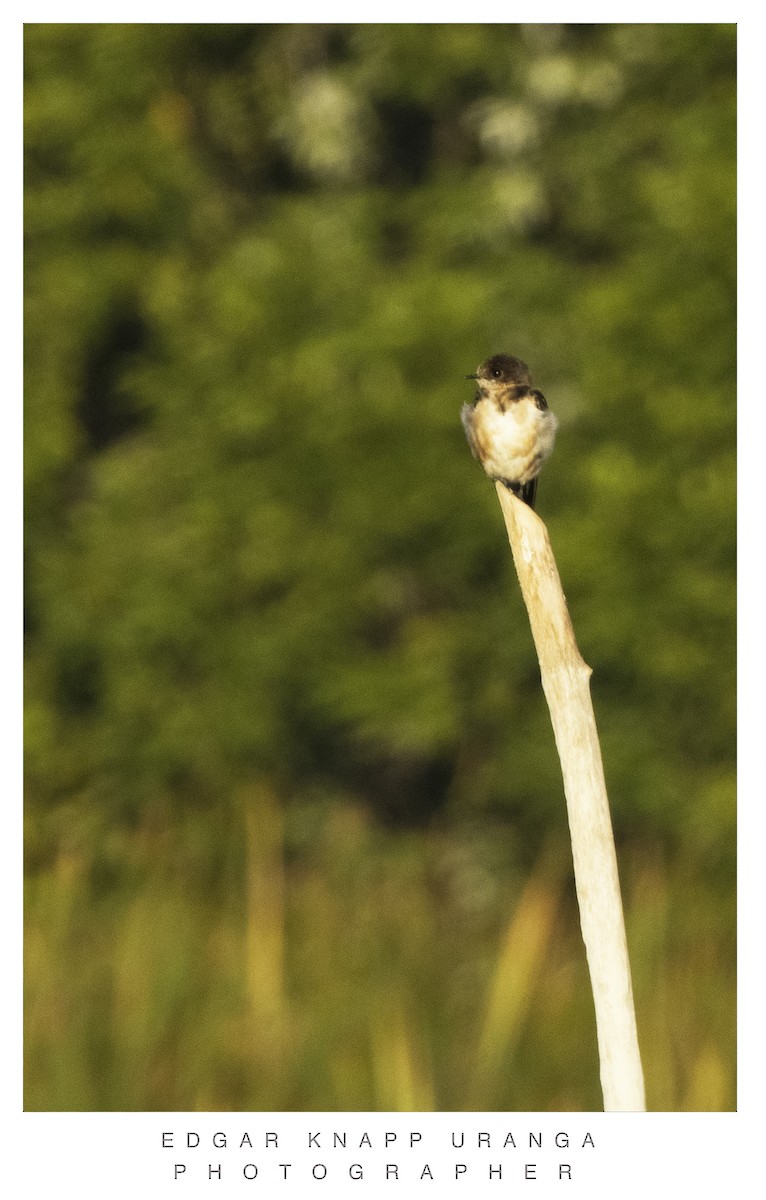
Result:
pixel 529 492
pixel 525 491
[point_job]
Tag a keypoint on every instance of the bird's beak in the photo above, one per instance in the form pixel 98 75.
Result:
pixel 472 376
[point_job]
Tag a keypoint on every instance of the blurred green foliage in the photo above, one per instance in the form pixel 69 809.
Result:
pixel 296 835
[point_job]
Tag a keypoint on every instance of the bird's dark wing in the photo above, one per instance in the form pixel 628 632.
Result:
pixel 466 416
pixel 539 399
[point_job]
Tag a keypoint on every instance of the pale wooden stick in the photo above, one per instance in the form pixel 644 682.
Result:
pixel 566 683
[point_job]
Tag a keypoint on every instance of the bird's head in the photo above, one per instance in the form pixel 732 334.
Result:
pixel 502 368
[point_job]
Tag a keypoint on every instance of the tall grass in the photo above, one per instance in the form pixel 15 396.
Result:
pixel 238 960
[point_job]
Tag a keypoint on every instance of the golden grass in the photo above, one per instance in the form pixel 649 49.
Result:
pixel 362 971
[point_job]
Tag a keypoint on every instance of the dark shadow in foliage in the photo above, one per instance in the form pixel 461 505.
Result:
pixel 107 411
pixel 407 135
pixel 78 678
pixel 404 790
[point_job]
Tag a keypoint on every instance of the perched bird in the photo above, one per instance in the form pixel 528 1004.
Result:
pixel 509 426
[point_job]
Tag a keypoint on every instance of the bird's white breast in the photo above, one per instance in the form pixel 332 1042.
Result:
pixel 515 442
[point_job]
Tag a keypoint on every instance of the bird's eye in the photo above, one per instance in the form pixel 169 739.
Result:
pixel 496 372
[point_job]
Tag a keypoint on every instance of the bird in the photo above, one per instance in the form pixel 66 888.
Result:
pixel 509 426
